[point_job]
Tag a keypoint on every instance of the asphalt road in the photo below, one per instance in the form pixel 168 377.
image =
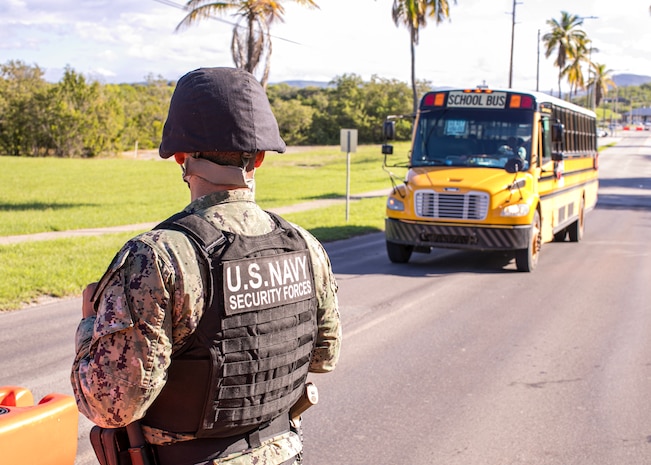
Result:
pixel 456 358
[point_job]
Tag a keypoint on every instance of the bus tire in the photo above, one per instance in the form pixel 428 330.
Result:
pixel 399 253
pixel 527 259
pixel 575 230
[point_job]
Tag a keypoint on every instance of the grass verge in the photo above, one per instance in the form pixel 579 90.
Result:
pixel 56 195
pixel 49 194
pixel 34 271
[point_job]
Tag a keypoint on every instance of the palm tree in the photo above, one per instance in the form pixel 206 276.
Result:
pixel 563 37
pixel 414 14
pixel 247 47
pixel 601 81
pixel 580 54
pixel 573 72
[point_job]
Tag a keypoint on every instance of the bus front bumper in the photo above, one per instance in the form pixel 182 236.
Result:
pixel 490 237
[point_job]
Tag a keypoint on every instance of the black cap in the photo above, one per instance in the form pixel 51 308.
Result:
pixel 220 110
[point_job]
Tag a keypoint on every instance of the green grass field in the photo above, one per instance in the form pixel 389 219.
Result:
pixel 47 194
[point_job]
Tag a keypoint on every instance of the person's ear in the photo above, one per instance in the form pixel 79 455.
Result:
pixel 259 158
pixel 180 157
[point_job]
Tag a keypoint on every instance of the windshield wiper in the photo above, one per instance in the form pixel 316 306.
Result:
pixel 434 162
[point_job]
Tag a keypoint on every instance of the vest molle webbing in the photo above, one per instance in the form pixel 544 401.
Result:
pixel 248 359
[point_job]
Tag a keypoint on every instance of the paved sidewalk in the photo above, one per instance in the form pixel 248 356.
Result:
pixel 44 236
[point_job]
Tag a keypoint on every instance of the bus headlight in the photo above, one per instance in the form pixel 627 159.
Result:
pixel 516 209
pixel 395 204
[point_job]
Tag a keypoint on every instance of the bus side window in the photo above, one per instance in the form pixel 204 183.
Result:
pixel 546 140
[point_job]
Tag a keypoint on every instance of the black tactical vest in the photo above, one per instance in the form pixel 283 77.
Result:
pixel 248 359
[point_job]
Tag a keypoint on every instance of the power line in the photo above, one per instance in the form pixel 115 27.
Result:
pixel 181 7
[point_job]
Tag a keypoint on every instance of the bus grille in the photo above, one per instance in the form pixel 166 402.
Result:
pixel 471 206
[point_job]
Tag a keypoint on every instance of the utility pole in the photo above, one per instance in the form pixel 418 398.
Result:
pixel 538 63
pixel 512 42
pixel 591 86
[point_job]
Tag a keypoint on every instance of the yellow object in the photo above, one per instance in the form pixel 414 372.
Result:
pixel 493 170
pixel 44 434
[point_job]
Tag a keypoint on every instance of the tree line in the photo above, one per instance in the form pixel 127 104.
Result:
pixel 76 117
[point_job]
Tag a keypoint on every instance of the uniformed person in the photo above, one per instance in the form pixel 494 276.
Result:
pixel 204 328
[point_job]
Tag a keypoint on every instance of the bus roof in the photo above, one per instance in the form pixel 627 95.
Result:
pixel 539 97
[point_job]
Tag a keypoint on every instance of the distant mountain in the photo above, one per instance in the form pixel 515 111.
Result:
pixel 623 80
pixel 303 84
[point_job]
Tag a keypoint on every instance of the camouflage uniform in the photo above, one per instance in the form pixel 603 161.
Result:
pixel 151 299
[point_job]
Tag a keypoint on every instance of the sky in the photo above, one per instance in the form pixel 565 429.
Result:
pixel 125 41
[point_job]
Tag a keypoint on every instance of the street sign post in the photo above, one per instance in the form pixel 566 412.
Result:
pixel 348 138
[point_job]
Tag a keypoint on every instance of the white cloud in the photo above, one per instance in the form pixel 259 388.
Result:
pixel 126 40
pixel 105 73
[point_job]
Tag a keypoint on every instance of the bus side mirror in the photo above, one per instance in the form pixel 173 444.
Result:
pixel 513 165
pixel 387 149
pixel 389 130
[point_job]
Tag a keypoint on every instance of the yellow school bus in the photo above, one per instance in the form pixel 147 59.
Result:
pixel 493 170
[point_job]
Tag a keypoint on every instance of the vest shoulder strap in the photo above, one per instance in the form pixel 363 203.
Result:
pixel 206 238
pixel 203 233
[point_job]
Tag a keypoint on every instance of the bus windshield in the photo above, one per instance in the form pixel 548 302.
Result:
pixel 472 137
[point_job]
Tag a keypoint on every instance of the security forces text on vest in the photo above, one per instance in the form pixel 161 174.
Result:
pixel 265 282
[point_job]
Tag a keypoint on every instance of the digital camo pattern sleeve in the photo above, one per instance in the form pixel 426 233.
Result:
pixel 329 335
pixel 123 352
pixel 272 452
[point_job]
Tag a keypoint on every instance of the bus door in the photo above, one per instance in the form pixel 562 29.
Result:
pixel 551 181
pixel 547 181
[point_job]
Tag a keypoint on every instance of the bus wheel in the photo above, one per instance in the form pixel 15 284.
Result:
pixel 527 259
pixel 575 230
pixel 399 253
